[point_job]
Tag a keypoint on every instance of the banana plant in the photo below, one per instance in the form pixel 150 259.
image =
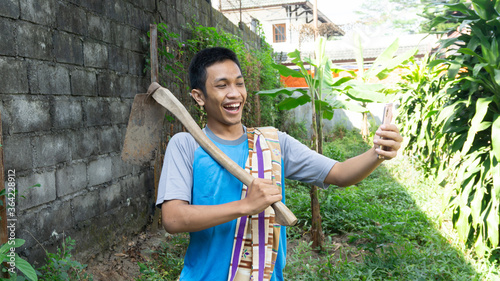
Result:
pixel 322 92
pixel 361 90
pixel 323 89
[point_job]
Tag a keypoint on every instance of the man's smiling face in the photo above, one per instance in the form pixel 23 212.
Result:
pixel 225 95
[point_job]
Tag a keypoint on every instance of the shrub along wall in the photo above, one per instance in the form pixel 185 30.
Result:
pixel 70 70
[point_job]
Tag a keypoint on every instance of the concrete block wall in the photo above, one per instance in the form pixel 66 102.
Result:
pixel 69 71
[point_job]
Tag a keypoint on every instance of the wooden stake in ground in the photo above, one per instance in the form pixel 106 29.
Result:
pixel 3 208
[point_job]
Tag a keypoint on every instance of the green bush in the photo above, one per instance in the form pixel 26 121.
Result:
pixel 454 121
pixel 423 97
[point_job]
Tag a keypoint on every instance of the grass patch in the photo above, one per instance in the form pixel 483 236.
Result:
pixel 388 227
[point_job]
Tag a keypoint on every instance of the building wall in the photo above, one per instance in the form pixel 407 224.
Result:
pixel 69 72
pixel 268 17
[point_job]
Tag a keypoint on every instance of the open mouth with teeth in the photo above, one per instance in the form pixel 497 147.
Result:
pixel 232 107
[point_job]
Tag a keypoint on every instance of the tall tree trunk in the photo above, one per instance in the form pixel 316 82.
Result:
pixel 314 135
pixel 316 230
pixel 320 133
pixel 317 235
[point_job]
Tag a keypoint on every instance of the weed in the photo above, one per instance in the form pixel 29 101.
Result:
pixel 168 261
pixel 61 267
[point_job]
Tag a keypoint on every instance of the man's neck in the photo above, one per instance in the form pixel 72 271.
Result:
pixel 227 132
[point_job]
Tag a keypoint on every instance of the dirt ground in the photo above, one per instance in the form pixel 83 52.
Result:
pixel 121 262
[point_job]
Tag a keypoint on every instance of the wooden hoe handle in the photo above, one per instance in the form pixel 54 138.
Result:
pixel 164 97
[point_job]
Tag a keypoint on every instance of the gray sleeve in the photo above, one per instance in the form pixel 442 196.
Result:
pixel 302 163
pixel 176 180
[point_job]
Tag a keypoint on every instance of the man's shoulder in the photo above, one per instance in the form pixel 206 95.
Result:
pixel 285 138
pixel 182 136
pixel 183 140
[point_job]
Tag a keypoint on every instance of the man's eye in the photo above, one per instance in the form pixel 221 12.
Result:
pixel 240 84
pixel 220 86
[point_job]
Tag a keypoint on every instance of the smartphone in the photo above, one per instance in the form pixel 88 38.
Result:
pixel 386 119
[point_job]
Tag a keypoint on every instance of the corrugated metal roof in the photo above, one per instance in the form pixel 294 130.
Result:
pixel 342 51
pixel 234 5
pixel 248 4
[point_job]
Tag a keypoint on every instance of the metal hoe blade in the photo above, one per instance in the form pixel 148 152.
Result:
pixel 143 130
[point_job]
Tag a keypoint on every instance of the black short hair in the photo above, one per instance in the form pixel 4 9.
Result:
pixel 205 58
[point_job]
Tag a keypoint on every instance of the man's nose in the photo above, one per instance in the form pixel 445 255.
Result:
pixel 233 90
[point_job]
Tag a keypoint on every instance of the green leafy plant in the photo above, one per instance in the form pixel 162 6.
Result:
pixel 422 96
pixel 61 267
pixel 472 131
pixel 461 124
pixel 362 90
pixel 149 273
pixel 433 9
pixel 13 260
pixel 9 257
pixel 172 52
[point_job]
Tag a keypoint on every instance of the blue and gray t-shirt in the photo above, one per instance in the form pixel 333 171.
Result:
pixel 191 175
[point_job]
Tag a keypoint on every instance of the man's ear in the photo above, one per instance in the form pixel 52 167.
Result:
pixel 198 96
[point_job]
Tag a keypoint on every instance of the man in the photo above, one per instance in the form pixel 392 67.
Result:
pixel 198 196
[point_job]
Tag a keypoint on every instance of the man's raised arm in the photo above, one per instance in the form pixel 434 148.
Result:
pixel 355 169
